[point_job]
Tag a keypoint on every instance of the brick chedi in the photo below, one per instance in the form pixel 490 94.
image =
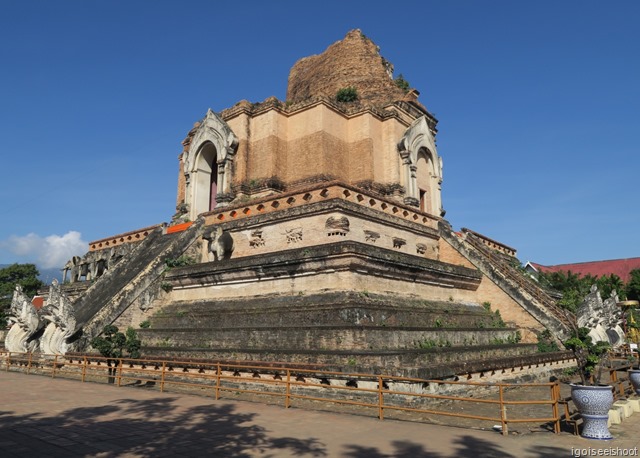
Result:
pixel 383 142
pixel 354 62
pixel 312 231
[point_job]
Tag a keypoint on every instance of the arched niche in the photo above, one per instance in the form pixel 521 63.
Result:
pixel 427 182
pixel 208 166
pixel 206 178
pixel 421 168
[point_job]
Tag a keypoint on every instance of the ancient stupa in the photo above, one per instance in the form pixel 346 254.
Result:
pixel 310 230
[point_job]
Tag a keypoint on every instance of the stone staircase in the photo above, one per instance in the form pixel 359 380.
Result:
pixel 137 275
pixel 522 288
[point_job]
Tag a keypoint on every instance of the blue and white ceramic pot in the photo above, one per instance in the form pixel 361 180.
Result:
pixel 634 376
pixel 593 403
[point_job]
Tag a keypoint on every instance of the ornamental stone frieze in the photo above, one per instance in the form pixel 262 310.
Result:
pixel 94 263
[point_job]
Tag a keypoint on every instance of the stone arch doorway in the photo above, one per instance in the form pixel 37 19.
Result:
pixel 208 165
pixel 425 175
pixel 421 166
pixel 206 178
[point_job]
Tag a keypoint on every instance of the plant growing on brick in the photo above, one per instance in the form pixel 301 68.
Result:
pixel 347 94
pixel 181 261
pixel 546 343
pixel 402 83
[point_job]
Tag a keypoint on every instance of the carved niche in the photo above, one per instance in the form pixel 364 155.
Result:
pixel 337 226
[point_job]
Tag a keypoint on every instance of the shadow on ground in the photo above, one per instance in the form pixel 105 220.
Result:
pixel 146 428
pixel 465 447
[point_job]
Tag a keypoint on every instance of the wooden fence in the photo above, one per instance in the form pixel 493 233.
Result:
pixel 378 393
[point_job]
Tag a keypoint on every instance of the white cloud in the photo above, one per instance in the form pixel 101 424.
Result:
pixel 47 252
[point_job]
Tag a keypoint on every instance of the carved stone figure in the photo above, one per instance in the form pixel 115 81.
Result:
pixel 26 323
pixel 72 267
pixel 371 236
pixel 220 244
pixel 94 263
pixel 603 318
pixel 256 239
pixel 62 322
pixel 421 248
pixel 398 242
pixel 294 235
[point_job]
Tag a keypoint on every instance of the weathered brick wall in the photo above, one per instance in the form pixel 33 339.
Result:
pixel 510 310
pixel 314 141
pixel 450 255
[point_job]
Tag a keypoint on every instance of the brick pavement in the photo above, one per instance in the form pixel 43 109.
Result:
pixel 44 417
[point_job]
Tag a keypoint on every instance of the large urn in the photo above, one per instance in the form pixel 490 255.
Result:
pixel 593 403
pixel 634 377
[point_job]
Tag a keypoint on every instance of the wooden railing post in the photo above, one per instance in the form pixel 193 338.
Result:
pixel 613 377
pixel 120 372
pixel 287 399
pixel 164 366
pixel 55 365
pixel 84 367
pixel 380 399
pixel 218 375
pixel 555 396
pixel 503 411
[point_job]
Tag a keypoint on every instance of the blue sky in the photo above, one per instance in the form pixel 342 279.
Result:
pixel 538 103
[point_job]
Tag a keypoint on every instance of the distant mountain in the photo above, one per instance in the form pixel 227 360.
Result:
pixel 46 275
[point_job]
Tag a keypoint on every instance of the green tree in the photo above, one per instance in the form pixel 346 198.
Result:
pixel 589 355
pixel 609 283
pixel 24 274
pixel 572 286
pixel 112 344
pixel 633 286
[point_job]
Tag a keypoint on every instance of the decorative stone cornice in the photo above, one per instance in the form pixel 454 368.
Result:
pixel 336 257
pixel 318 193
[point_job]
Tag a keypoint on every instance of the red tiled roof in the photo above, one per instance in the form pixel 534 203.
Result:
pixel 619 267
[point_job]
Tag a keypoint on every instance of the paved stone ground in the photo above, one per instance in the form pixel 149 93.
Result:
pixel 44 417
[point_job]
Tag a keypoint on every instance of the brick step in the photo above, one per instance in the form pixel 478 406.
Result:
pixel 327 337
pixel 327 309
pixel 395 362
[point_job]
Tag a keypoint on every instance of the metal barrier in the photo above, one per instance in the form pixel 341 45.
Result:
pixel 377 392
